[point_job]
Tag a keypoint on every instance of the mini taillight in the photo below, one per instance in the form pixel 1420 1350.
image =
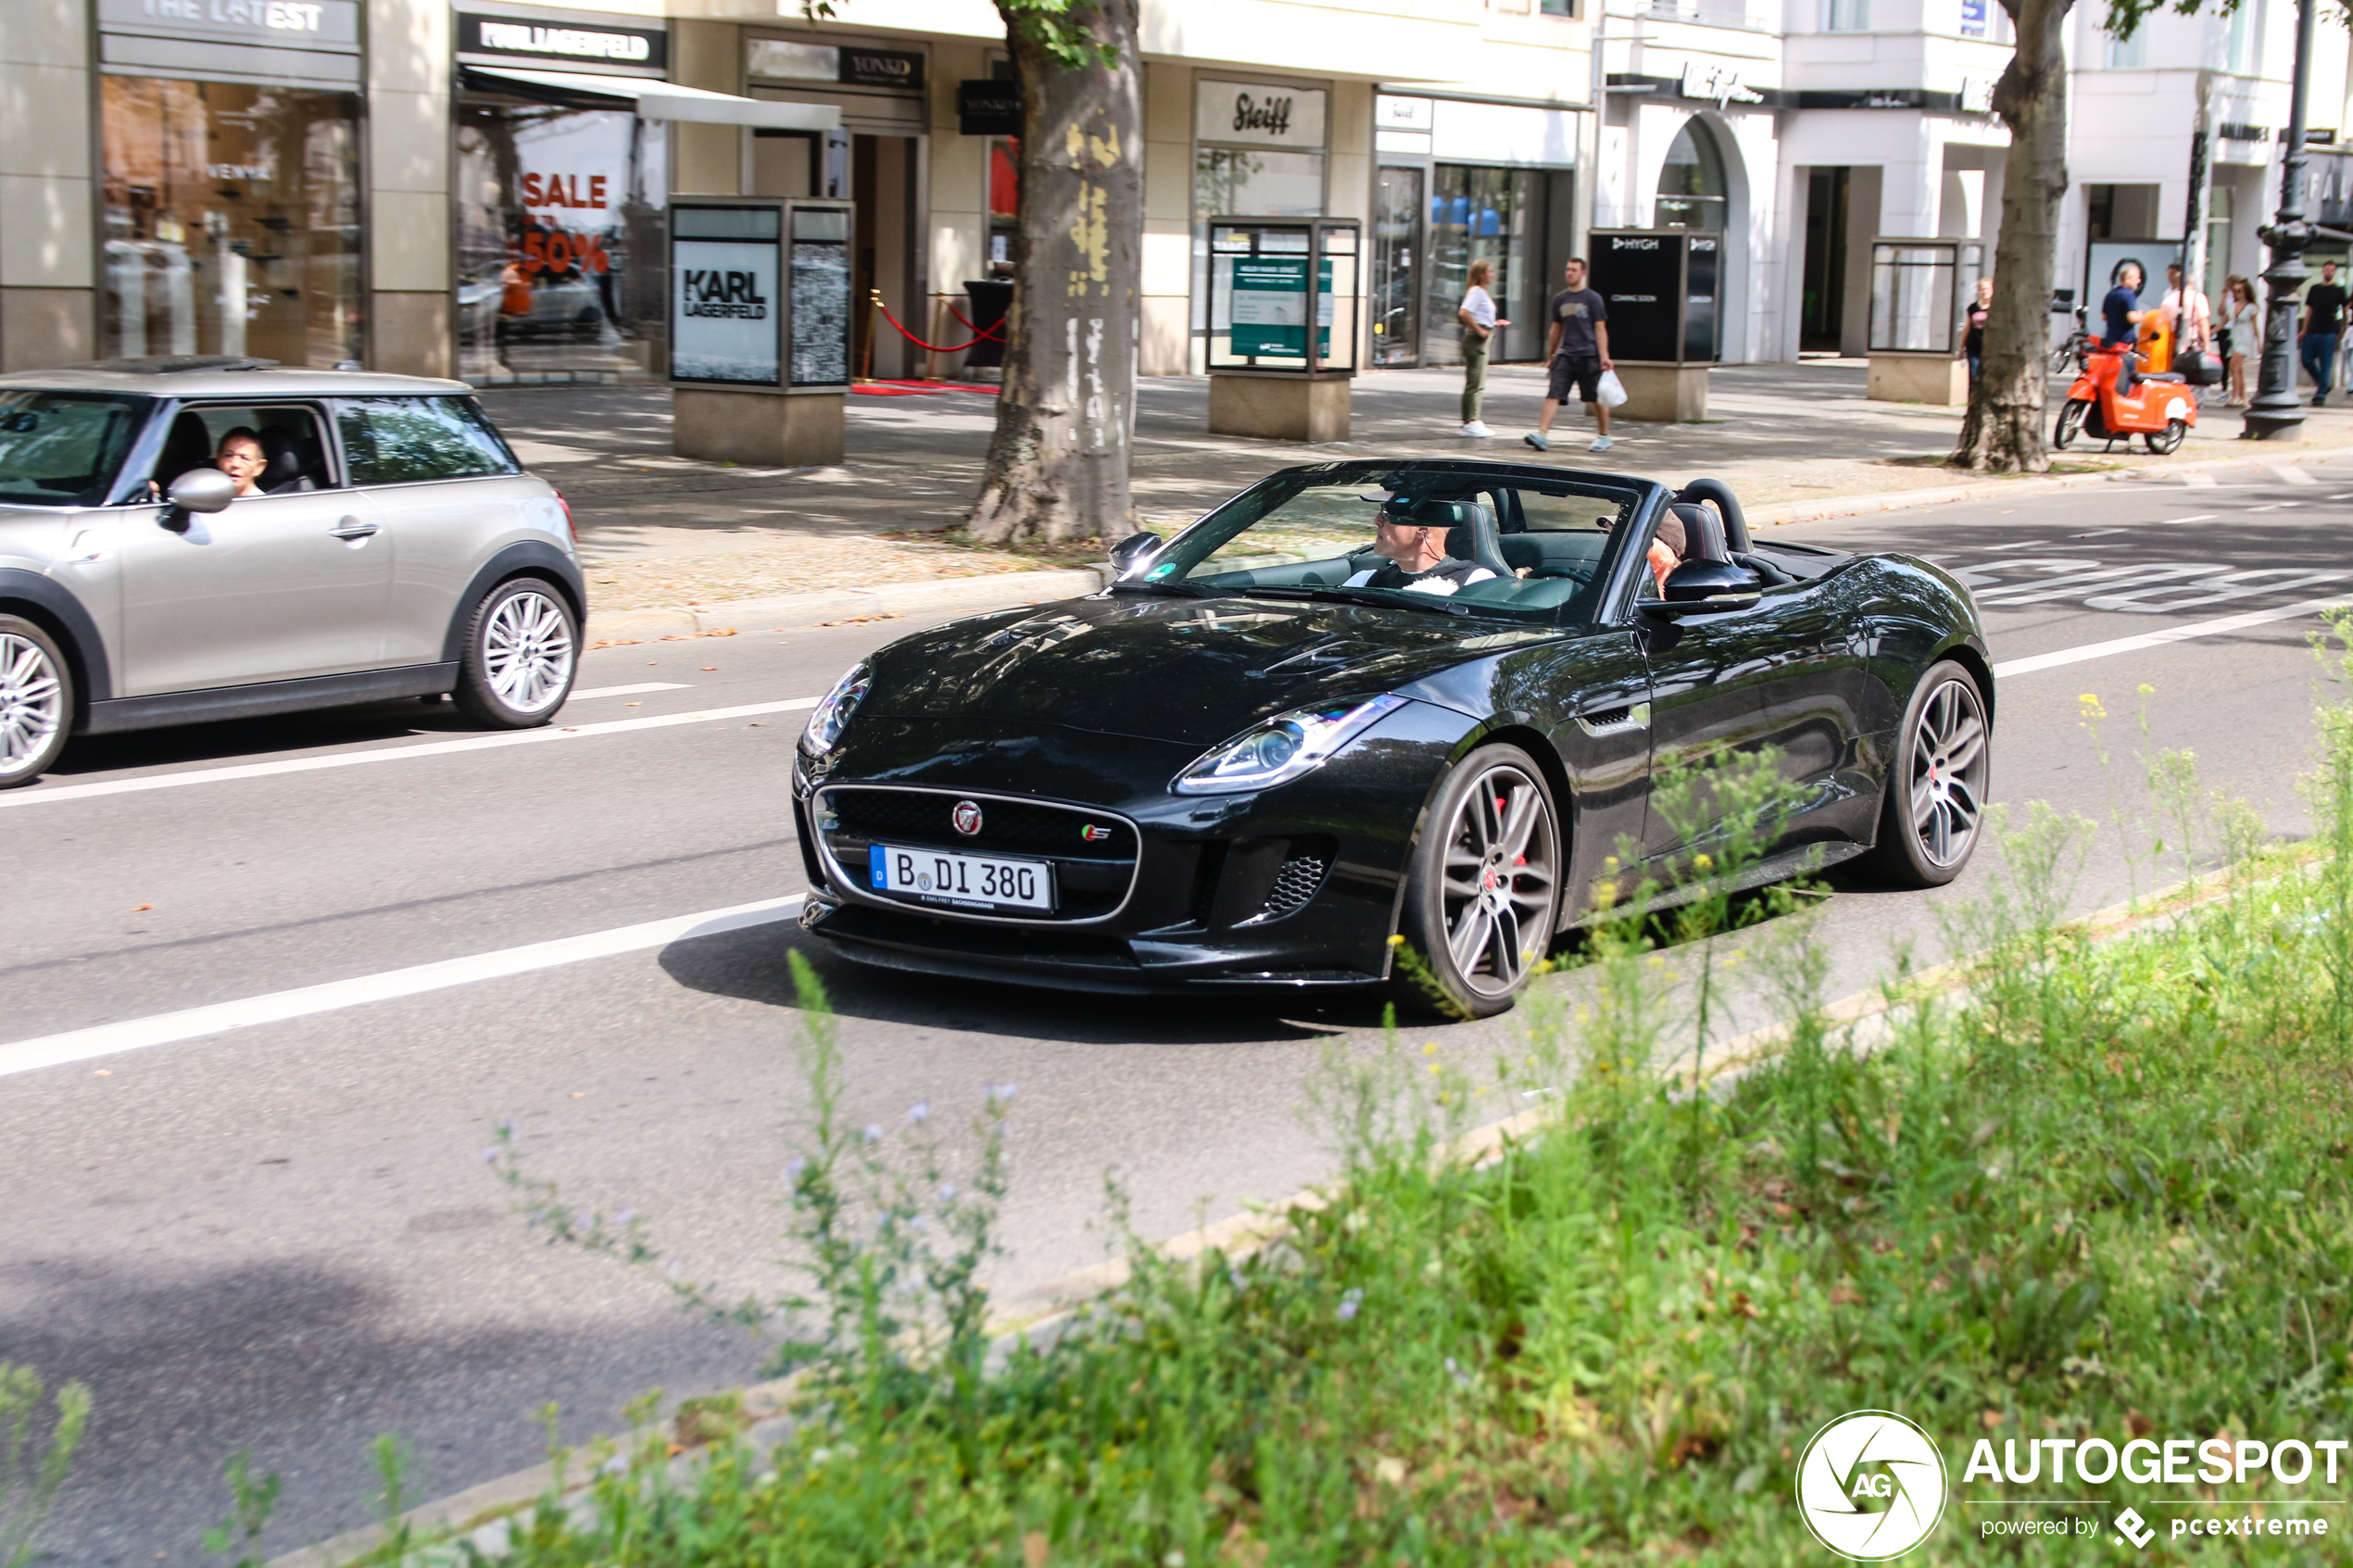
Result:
pixel 570 527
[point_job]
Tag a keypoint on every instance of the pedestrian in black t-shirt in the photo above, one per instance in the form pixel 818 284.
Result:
pixel 2120 313
pixel 1578 345
pixel 2323 323
pixel 1973 339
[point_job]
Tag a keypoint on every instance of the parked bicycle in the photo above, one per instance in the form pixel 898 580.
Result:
pixel 2069 355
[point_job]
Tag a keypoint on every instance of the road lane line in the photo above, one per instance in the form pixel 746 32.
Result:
pixel 189 1023
pixel 2194 517
pixel 2293 474
pixel 2221 626
pixel 38 795
pixel 630 690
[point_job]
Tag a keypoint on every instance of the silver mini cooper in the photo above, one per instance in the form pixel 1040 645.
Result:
pixel 187 539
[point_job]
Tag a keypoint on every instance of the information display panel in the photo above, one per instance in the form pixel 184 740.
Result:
pixel 760 294
pixel 1260 301
pixel 1660 288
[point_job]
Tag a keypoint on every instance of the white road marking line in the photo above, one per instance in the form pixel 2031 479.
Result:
pixel 2343 495
pixel 2293 474
pixel 2014 544
pixel 2198 481
pixel 2275 506
pixel 189 1023
pixel 2194 517
pixel 2220 626
pixel 629 691
pixel 37 795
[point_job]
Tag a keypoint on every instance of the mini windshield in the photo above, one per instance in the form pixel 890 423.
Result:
pixel 62 449
pixel 1456 538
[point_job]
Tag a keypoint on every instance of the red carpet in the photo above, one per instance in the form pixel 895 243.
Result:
pixel 917 388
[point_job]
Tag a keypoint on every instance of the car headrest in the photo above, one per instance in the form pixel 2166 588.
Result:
pixel 1475 539
pixel 1702 536
pixel 293 457
pixel 188 446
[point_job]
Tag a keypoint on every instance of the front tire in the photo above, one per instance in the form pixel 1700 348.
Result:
pixel 1482 888
pixel 2070 422
pixel 36 701
pixel 1934 806
pixel 2166 444
pixel 523 649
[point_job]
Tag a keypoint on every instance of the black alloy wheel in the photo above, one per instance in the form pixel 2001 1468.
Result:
pixel 523 649
pixel 2164 444
pixel 2070 422
pixel 1936 782
pixel 36 701
pixel 1482 888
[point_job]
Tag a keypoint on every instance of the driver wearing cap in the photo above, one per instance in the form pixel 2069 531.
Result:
pixel 1417 552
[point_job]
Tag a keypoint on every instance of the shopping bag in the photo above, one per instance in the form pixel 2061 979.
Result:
pixel 1610 392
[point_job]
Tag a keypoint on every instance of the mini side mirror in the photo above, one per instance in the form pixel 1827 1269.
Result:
pixel 1133 551
pixel 198 490
pixel 1706 587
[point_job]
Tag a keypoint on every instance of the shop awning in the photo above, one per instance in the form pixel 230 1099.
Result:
pixel 655 100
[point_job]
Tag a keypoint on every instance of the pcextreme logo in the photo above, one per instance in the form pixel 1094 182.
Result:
pixel 1870 1486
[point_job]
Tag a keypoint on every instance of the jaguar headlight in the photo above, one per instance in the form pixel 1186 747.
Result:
pixel 830 716
pixel 1283 747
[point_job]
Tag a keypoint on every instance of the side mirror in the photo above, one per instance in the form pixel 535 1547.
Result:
pixel 1706 587
pixel 1133 551
pixel 198 490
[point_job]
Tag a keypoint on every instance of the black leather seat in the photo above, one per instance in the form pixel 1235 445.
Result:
pixel 188 446
pixel 1473 539
pixel 297 461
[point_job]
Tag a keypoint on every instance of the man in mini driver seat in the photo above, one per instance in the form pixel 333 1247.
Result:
pixel 1417 552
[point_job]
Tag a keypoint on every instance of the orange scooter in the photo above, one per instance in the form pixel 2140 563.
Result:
pixel 2159 408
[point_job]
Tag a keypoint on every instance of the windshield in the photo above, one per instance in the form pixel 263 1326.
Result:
pixel 1448 538
pixel 62 449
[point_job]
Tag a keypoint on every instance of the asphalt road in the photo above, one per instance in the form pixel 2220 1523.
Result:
pixel 281 1236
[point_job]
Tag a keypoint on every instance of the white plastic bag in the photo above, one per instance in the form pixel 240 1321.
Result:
pixel 1609 392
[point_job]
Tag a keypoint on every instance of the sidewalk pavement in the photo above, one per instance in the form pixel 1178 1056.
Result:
pixel 871 536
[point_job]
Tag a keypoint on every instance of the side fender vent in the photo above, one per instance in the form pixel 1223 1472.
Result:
pixel 1295 885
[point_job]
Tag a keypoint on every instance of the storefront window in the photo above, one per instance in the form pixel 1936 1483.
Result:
pixel 559 214
pixel 232 217
pixel 1004 204
pixel 1475 215
pixel 1247 183
pixel 1691 185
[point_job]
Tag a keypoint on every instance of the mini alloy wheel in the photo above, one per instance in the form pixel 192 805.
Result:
pixel 520 656
pixel 36 701
pixel 2070 422
pixel 1936 786
pixel 1485 886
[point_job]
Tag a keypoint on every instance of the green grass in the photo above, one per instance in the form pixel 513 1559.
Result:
pixel 2100 1191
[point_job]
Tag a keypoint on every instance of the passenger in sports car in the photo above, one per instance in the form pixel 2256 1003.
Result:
pixel 1417 560
pixel 1667 548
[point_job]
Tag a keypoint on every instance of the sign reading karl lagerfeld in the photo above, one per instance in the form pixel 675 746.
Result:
pixel 1262 116
pixel 724 299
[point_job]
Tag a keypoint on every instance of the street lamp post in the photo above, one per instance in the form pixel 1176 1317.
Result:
pixel 2277 413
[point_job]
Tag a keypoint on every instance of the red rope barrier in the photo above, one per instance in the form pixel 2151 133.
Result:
pixel 994 335
pixel 919 343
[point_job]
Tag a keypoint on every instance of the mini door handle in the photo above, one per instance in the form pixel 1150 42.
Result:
pixel 352 528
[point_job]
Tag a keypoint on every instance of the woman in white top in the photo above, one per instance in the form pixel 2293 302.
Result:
pixel 2241 334
pixel 1480 322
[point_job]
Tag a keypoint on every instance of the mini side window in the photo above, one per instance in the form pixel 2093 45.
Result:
pixel 407 440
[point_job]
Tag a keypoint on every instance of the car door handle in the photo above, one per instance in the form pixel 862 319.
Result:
pixel 352 528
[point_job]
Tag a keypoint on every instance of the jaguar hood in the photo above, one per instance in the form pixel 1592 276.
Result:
pixel 1192 671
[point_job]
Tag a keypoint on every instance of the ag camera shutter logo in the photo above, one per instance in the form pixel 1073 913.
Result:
pixel 1870 1486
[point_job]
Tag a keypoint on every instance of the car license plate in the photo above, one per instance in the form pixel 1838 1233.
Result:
pixel 962 881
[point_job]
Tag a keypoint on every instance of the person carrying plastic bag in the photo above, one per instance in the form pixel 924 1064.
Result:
pixel 1578 345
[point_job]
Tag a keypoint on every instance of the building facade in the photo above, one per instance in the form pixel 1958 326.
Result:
pixel 476 187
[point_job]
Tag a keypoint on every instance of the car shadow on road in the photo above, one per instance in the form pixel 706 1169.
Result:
pixel 750 965
pixel 261 740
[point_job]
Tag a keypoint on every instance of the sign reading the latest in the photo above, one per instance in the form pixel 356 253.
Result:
pixel 284 22
pixel 1255 113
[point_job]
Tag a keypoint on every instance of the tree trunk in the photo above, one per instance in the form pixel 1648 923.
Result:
pixel 1058 463
pixel 2004 431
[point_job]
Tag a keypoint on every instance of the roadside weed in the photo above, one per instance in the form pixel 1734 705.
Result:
pixel 31 1471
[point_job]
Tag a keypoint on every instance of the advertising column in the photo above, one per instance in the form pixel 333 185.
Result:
pixel 759 330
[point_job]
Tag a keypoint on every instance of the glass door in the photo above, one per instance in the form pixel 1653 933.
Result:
pixel 1397 211
pixel 1476 215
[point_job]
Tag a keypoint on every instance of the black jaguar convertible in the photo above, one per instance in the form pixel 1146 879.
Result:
pixel 1266 749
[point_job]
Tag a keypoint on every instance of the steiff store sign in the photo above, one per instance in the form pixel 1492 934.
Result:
pixel 1257 115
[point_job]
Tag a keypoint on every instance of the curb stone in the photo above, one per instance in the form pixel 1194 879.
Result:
pixel 480 1513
